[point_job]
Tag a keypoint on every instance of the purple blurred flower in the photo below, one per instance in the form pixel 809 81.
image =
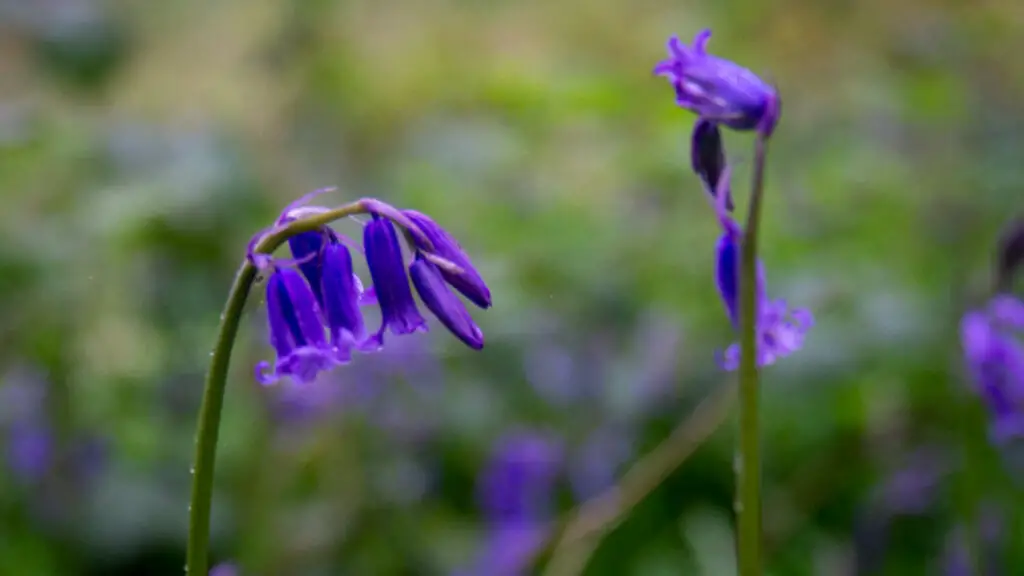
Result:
pixel 469 282
pixel 384 257
pixel 515 492
pixel 225 569
pixel 716 89
pixel 516 485
pixel 296 332
pixel 780 329
pixel 994 354
pixel 444 304
pixel 29 449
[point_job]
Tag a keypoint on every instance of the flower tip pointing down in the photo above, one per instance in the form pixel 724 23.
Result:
pixel 295 331
pixel 469 282
pixel 443 304
pixel 384 258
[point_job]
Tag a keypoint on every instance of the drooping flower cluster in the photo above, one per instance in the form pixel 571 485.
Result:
pixel 993 343
pixel 314 300
pixel 723 93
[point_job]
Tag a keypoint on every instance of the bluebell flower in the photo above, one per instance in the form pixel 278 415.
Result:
pixel 443 303
pixel 296 331
pixel 780 329
pixel 716 89
pixel 468 282
pixel 384 258
pixel 994 355
pixel 707 156
pixel 307 249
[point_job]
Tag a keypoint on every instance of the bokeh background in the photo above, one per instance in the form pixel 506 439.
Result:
pixel 142 144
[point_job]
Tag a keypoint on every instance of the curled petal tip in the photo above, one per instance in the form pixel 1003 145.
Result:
pixel 700 41
pixel 265 373
pixel 675 47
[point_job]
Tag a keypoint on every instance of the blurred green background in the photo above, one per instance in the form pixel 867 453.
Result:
pixel 142 144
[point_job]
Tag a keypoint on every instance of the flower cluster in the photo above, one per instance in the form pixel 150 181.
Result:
pixel 315 299
pixel 723 93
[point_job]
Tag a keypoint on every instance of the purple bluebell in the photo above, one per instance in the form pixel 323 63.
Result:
pixel 717 89
pixel 469 282
pixel 994 354
pixel 443 303
pixel 780 329
pixel 327 266
pixel 296 331
pixel 384 258
pixel 707 156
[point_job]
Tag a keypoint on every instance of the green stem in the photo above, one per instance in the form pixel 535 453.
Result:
pixel 209 423
pixel 748 457
pixel 208 428
pixel 573 542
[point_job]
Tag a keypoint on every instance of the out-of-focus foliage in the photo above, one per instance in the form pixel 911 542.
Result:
pixel 141 144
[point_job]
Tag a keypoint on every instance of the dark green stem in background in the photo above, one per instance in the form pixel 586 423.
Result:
pixel 748 450
pixel 573 541
pixel 208 428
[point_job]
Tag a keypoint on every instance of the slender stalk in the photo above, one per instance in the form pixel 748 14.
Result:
pixel 209 423
pixel 748 456
pixel 575 540
pixel 208 427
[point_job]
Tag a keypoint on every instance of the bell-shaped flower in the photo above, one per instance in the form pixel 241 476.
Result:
pixel 307 250
pixel 341 293
pixel 780 329
pixel 468 282
pixel 296 332
pixel 394 296
pixel 443 303
pixel 707 156
pixel 717 89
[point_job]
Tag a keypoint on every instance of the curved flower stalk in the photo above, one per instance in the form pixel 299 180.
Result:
pixel 723 93
pixel 314 304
